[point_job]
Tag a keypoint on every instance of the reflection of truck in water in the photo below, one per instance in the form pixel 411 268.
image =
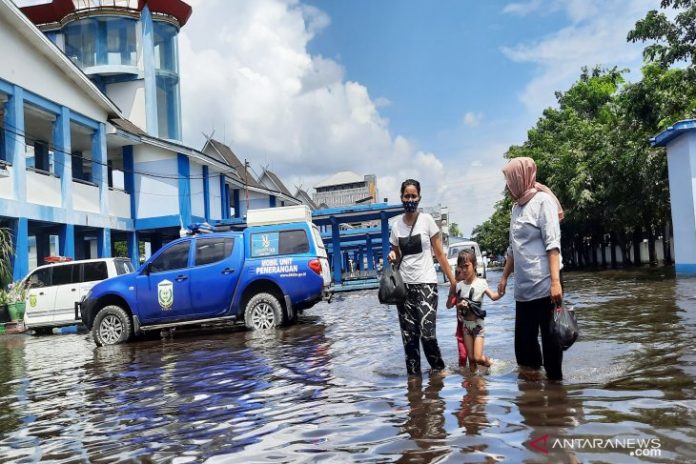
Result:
pixel 453 250
pixel 263 276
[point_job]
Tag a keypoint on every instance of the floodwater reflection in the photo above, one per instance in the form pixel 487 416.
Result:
pixel 333 388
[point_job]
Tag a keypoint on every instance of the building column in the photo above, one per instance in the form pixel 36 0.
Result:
pixel 336 247
pixel 20 258
pixel 184 170
pixel 237 204
pixel 385 236
pixel 206 194
pixel 227 201
pixel 370 254
pixel 129 177
pixel 149 72
pixel 63 157
pixel 43 246
pixel 104 243
pixel 225 210
pixel 100 170
pixel 14 144
pixel 133 248
pixel 66 240
pixel 155 243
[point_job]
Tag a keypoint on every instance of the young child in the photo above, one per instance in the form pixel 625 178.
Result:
pixel 470 327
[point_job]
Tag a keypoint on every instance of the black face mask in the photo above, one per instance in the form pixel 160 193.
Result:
pixel 410 206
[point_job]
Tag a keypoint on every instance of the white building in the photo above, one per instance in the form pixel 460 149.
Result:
pixel 345 189
pixel 90 151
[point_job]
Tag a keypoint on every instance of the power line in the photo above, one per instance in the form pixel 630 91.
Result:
pixel 20 136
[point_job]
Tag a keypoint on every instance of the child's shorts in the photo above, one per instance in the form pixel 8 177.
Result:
pixel 474 328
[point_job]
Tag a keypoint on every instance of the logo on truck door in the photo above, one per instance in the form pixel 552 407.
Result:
pixel 165 294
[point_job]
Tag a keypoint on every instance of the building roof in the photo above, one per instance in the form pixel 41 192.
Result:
pixel 306 199
pixel 231 159
pixel 36 38
pixel 126 125
pixel 275 180
pixel 672 132
pixel 340 178
pixel 57 10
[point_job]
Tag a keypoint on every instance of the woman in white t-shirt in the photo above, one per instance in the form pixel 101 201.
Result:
pixel 414 240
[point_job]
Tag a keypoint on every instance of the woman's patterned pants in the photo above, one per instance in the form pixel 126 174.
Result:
pixel 417 320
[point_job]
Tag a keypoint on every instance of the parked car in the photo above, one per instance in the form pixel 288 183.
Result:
pixel 456 247
pixel 53 289
pixel 263 276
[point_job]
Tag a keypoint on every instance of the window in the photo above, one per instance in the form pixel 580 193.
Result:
pixel 212 250
pixel 66 274
pixel 124 267
pixel 94 271
pixel 175 257
pixel 40 278
pixel 285 242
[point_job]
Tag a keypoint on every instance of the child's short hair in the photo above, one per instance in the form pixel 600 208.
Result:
pixel 466 255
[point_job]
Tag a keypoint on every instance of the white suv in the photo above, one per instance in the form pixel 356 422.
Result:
pixel 53 289
pixel 456 247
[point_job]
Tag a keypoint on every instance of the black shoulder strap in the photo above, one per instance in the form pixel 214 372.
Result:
pixel 410 232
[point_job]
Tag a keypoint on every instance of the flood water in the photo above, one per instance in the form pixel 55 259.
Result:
pixel 333 388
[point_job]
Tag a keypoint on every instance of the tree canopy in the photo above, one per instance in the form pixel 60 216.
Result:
pixel 593 151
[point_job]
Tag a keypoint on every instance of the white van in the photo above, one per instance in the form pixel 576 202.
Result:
pixel 53 289
pixel 456 247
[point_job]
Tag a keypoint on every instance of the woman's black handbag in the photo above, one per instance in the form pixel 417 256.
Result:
pixel 474 306
pixel 392 289
pixel 564 326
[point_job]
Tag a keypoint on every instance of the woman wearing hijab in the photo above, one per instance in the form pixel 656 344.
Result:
pixel 535 256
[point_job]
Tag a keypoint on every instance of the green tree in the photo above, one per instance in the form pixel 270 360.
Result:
pixel 675 40
pixel 6 252
pixel 454 230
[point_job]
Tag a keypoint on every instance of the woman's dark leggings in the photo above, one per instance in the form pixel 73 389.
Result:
pixel 417 320
pixel 530 316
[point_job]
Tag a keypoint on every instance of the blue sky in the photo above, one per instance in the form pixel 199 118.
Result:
pixel 432 89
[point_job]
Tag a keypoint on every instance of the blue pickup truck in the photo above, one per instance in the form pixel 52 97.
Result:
pixel 264 276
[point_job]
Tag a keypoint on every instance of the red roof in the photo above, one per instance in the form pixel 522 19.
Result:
pixel 59 9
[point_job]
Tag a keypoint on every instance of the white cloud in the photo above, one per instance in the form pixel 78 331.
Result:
pixel 250 76
pixel 472 119
pixel 522 9
pixel 596 36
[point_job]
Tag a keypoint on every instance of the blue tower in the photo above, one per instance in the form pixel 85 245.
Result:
pixel 128 48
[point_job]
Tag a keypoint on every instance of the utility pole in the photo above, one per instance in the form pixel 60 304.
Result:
pixel 246 183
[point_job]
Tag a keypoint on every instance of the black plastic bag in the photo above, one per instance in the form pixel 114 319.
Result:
pixel 564 326
pixel 392 289
pixel 474 306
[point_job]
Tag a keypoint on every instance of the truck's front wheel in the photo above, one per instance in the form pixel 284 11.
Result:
pixel 262 312
pixel 112 326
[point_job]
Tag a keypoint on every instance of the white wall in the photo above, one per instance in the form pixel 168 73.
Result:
pixel 119 204
pixel 215 197
pixel 85 197
pixel 130 98
pixel 197 197
pixel 6 189
pixel 157 192
pixel 43 189
pixel 23 65
pixel 681 162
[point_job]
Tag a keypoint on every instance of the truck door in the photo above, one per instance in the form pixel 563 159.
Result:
pixel 66 281
pixel 40 298
pixel 163 288
pixel 214 276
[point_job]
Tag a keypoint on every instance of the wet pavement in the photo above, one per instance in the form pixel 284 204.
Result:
pixel 333 388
